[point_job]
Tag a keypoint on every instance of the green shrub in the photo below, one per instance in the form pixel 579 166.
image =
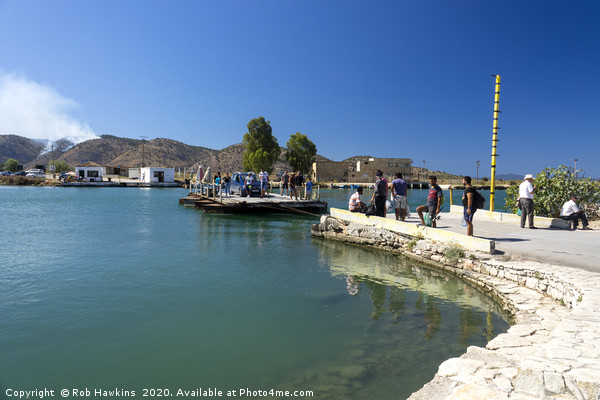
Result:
pixel 453 253
pixel 553 187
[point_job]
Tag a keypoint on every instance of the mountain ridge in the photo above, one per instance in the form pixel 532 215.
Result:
pixel 109 150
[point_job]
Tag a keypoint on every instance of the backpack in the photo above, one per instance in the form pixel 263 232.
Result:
pixel 478 199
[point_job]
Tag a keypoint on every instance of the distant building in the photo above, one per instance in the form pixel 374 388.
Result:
pixel 89 172
pixel 330 171
pixel 133 173
pixel 361 170
pixel 118 170
pixel 156 175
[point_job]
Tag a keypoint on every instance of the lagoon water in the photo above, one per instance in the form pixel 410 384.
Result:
pixel 122 288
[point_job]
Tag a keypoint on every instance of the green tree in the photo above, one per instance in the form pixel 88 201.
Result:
pixel 11 165
pixel 60 166
pixel 262 149
pixel 301 152
pixel 553 187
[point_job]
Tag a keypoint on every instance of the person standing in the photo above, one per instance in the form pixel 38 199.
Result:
pixel 309 188
pixel 227 184
pixel 571 212
pixel 284 183
pixel 293 187
pixel 248 184
pixel 433 201
pixel 399 193
pixel 218 183
pixel 468 201
pixel 298 182
pixel 263 178
pixel 380 194
pixel 526 190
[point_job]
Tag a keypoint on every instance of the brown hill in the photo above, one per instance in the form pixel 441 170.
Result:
pixel 162 153
pixel 114 151
pixel 101 151
pixel 110 150
pixel 19 148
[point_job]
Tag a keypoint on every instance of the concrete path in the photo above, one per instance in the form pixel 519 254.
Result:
pixel 579 249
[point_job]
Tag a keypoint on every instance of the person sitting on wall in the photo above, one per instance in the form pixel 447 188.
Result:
pixel 571 212
pixel 356 204
pixel 433 202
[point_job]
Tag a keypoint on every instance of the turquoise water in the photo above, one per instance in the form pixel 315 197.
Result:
pixel 106 288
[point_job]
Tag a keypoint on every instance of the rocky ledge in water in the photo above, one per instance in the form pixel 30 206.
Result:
pixel 552 350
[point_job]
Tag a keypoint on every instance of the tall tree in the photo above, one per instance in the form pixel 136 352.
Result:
pixel 60 166
pixel 301 152
pixel 262 149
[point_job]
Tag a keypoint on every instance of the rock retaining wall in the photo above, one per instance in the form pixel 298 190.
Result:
pixel 552 351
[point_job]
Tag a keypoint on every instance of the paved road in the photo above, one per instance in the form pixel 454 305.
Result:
pixel 580 249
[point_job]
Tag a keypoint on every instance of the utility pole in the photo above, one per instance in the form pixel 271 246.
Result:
pixel 575 167
pixel 477 179
pixel 424 173
pixel 495 140
pixel 144 150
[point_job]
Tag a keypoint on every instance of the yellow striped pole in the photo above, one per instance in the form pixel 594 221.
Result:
pixel 495 141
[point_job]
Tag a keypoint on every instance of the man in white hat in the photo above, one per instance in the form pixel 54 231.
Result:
pixel 526 190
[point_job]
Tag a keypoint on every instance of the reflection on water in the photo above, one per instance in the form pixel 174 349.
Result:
pixel 417 315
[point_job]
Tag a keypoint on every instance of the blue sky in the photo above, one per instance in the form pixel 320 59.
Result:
pixel 380 78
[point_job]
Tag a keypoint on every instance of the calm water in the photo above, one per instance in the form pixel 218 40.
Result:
pixel 123 288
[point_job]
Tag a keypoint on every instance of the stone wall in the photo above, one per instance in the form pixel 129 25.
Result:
pixel 328 171
pixel 427 250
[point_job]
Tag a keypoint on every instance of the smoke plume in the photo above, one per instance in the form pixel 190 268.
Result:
pixel 36 111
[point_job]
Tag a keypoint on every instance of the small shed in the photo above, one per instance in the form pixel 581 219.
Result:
pixel 157 175
pixel 133 173
pixel 89 172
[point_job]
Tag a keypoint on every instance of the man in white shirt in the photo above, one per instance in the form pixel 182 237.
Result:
pixel 526 190
pixel 571 212
pixel 356 204
pixel 263 176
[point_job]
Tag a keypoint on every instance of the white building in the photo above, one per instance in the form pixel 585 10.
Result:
pixel 156 175
pixel 134 173
pixel 89 173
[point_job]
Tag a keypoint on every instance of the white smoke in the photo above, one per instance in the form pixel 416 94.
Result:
pixel 36 111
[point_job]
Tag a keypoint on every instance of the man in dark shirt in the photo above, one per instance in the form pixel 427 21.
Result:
pixel 468 201
pixel 399 186
pixel 380 194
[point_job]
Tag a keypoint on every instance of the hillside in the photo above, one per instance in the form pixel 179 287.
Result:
pixel 114 151
pixel 19 148
pixel 100 151
pixel 162 153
